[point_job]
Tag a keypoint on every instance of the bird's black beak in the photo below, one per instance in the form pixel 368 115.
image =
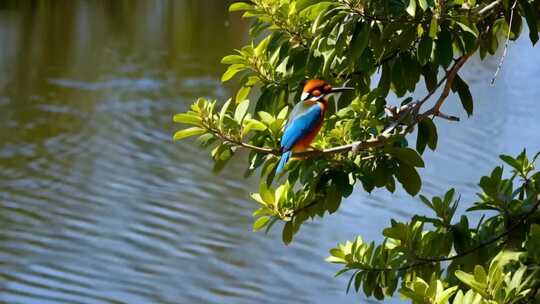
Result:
pixel 341 89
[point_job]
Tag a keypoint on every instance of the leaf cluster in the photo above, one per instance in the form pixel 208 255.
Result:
pixel 346 42
pixel 385 50
pixel 438 258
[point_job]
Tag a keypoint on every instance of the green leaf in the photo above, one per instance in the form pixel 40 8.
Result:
pixel 333 199
pixel 423 4
pixel 243 93
pixel 464 93
pixel 442 297
pixel 267 194
pixel 398 231
pixel 287 234
pixel 409 178
pixel 312 11
pixel 240 6
pixel 533 243
pixel 443 48
pixel 257 197
pixel 429 71
pixel 449 196
pixel 422 137
pixel 260 223
pixel 283 113
pixel 187 119
pixel 425 46
pixel 469 280
pixel 532 19
pixel 231 71
pixel 398 75
pixel 253 125
pixel 223 112
pixel 468 29
pixel 232 59
pixel 328 61
pixel 281 193
pixel 206 140
pixel 480 274
pixel 359 40
pixel 385 80
pixel 241 111
pixel 427 134
pixel 433 136
pixel 411 8
pixel 406 155
pixel 188 132
pixel 263 45
pixel 433 28
pixel 266 117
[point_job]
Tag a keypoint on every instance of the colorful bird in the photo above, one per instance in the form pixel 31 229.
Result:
pixel 306 119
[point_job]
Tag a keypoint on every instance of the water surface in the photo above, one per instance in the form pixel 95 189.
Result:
pixel 98 205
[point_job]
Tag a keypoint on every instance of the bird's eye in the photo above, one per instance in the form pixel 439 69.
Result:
pixel 316 93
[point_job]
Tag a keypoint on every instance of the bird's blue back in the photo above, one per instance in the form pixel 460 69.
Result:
pixel 304 119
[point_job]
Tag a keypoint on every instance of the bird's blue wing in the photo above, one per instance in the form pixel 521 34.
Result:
pixel 299 109
pixel 300 125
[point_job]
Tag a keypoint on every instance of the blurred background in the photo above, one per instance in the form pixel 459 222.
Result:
pixel 98 205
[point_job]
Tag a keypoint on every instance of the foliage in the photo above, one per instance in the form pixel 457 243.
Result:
pixel 496 258
pixel 383 49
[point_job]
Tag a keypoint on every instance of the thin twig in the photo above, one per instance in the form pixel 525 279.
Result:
pixel 447 117
pixel 505 44
pixel 437 86
pixel 236 142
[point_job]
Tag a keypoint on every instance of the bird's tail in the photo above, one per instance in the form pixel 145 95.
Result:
pixel 284 159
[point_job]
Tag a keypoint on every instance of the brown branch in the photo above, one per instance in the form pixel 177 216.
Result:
pixel 437 86
pixel 229 139
pixel 452 73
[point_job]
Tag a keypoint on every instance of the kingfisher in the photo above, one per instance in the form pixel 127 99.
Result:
pixel 306 119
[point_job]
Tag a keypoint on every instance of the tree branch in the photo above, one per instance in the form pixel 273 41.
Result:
pixel 229 139
pixel 382 139
pixel 452 73
pixel 430 260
